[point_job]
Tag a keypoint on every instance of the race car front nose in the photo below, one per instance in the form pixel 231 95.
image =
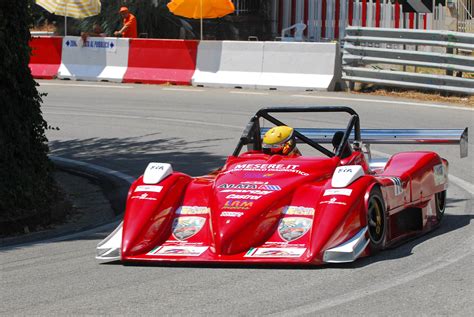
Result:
pixel 348 251
pixel 109 249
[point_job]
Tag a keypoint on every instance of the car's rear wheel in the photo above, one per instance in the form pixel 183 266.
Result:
pixel 440 202
pixel 376 220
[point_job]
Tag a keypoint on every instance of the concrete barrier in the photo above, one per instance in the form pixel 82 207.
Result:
pixel 45 56
pixel 310 66
pixel 228 64
pixel 96 59
pixel 161 61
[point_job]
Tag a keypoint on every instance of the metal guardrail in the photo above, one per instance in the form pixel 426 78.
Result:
pixel 385 48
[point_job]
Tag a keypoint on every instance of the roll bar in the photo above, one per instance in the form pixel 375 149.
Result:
pixel 253 133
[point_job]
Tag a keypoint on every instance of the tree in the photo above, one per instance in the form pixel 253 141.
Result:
pixel 26 186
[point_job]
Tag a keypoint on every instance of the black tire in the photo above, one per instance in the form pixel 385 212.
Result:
pixel 440 202
pixel 376 220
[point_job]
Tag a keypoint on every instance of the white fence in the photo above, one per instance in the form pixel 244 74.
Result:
pixel 327 20
pixel 465 12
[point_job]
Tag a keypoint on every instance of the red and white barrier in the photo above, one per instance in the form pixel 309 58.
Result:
pixel 161 61
pixel 228 64
pixel 45 56
pixel 311 66
pixel 96 59
pixel 232 64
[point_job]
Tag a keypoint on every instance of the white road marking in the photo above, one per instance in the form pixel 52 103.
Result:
pixel 86 85
pixel 92 114
pixel 183 89
pixel 462 183
pixel 248 93
pixel 386 101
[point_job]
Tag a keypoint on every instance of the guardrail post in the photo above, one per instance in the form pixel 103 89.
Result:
pixel 449 50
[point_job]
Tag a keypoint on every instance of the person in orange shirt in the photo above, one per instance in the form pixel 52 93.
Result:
pixel 129 28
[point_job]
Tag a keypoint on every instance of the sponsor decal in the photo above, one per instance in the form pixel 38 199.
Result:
pixel 333 201
pixel 264 167
pixel 149 188
pixel 238 186
pixel 338 191
pixel 156 167
pixel 186 227
pixel 250 186
pixel 440 176
pixel 258 175
pixel 93 44
pixel 178 251
pixel 342 170
pixel 143 197
pixel 238 204
pixel 193 210
pixel 247 191
pixel 397 185
pixel 299 211
pixel 293 228
pixel 282 244
pixel 269 187
pixel 251 197
pixel 268 168
pixel 236 214
pixel 275 252
pixel 182 243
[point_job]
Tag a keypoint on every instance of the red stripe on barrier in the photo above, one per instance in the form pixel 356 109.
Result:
pixel 397 14
pixel 412 19
pixel 364 13
pixel 351 12
pixel 377 13
pixel 323 19
pixel 425 22
pixel 45 56
pixel 161 61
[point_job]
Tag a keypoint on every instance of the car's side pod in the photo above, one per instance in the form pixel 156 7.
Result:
pixel 151 203
pixel 149 213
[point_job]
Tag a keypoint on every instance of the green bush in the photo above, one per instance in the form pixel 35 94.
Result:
pixel 26 187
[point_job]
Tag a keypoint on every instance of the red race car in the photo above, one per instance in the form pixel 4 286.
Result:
pixel 271 204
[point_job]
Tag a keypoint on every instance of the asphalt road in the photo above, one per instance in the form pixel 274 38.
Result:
pixel 123 127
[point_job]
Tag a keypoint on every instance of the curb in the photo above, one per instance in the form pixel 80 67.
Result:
pixel 114 185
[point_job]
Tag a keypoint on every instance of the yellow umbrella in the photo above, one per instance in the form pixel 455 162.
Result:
pixel 201 9
pixel 71 8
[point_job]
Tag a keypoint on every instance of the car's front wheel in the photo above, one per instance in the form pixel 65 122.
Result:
pixel 376 220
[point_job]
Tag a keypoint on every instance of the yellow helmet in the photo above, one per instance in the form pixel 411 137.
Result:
pixel 279 140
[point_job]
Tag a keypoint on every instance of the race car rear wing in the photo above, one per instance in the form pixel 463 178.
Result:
pixel 393 136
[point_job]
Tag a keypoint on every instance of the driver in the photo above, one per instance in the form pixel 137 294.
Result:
pixel 280 140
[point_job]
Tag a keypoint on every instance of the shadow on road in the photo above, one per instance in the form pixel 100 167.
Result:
pixel 132 155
